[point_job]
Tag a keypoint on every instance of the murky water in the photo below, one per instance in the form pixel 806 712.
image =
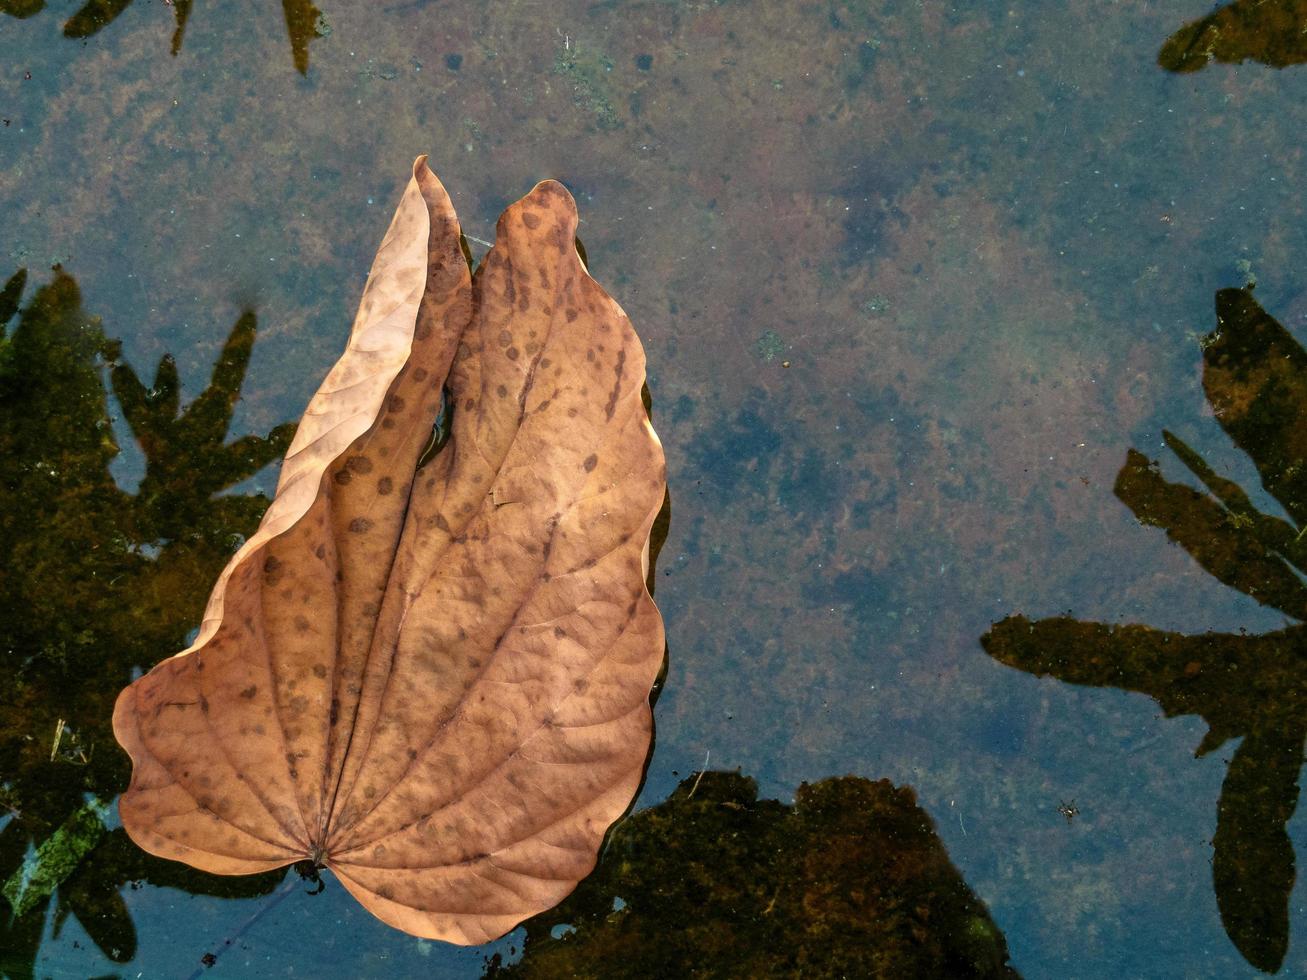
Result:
pixel 922 289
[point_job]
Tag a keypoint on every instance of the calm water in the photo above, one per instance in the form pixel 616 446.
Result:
pixel 913 280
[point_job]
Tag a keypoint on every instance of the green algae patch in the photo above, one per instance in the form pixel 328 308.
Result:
pixel 588 73
pixel 769 346
pixel 49 865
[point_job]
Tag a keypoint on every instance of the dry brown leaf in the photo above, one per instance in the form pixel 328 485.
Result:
pixel 434 681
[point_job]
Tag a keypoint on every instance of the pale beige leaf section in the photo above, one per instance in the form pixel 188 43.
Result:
pixel 435 681
pixel 349 398
pixel 231 741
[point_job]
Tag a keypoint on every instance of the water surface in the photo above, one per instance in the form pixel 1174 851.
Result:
pixel 914 281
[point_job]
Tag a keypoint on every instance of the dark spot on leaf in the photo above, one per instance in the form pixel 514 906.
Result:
pixel 360 525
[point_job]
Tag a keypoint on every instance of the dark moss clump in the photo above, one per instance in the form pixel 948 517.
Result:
pixel 849 881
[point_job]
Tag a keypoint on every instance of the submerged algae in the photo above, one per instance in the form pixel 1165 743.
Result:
pixel 850 880
pixel 58 856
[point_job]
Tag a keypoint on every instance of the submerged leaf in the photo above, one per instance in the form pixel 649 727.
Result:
pixel 1255 376
pixel 1218 539
pixel 21 8
pixel 432 680
pixel 302 26
pixel 10 295
pixel 1252 860
pixel 94 16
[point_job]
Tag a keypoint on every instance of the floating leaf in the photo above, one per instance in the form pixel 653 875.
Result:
pixel 431 675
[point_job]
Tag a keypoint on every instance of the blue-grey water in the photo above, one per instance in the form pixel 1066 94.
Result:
pixel 913 278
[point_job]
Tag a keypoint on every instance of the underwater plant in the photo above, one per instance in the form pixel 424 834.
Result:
pixel 303 21
pixel 1251 687
pixel 95 582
